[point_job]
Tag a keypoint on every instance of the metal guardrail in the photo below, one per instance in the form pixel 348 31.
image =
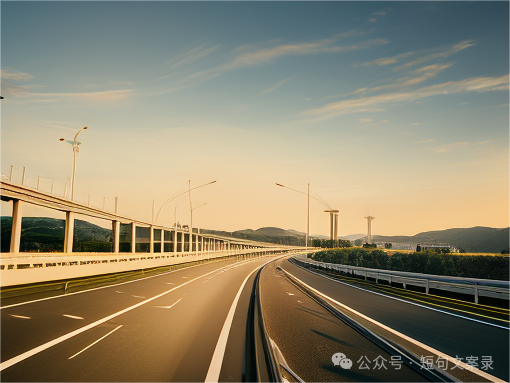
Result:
pixel 263 360
pixel 423 359
pixel 469 286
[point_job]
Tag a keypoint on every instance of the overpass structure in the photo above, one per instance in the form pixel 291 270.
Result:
pixel 167 245
pixel 254 314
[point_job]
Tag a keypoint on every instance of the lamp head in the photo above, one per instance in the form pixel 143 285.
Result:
pixel 280 185
pixel 62 139
pixel 86 127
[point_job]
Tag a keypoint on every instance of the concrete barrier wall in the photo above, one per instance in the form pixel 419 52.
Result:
pixel 22 268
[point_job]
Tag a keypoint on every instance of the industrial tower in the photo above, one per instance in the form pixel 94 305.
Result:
pixel 369 234
pixel 333 224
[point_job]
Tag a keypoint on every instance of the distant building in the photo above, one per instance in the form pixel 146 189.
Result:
pixel 443 248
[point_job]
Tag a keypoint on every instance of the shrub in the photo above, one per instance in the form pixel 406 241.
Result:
pixel 427 262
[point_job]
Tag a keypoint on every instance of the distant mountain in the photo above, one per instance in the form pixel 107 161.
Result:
pixel 352 237
pixel 477 239
pixel 265 234
pixel 47 234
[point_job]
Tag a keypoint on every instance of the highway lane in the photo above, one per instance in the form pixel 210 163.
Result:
pixel 170 337
pixel 308 336
pixel 449 334
pixel 21 334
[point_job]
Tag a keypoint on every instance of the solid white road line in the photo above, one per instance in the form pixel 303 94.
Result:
pixel 19 316
pixel 90 345
pixel 405 337
pixel 403 300
pixel 71 316
pixel 213 374
pixel 36 350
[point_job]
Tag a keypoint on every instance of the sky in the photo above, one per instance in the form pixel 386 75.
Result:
pixel 394 109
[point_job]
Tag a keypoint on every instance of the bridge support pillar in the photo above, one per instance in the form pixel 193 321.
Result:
pixel 69 232
pixel 133 238
pixel 162 240
pixel 116 236
pixel 175 240
pixel 335 230
pixel 151 239
pixel 183 237
pixel 17 216
pixel 190 240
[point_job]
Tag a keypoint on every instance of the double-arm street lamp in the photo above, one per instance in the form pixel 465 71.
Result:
pixel 191 223
pixel 179 194
pixel 76 149
pixel 330 210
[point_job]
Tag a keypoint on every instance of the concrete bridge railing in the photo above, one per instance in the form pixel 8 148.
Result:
pixel 23 268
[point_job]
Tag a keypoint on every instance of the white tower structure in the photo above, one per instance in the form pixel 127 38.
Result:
pixel 369 234
pixel 333 225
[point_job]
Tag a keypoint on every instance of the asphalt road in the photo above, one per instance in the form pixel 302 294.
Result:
pixel 170 327
pixel 452 335
pixel 162 328
pixel 308 336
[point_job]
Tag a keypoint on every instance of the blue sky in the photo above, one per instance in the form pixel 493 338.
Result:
pixel 387 108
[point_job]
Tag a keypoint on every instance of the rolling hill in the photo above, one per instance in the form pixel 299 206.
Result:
pixel 45 234
pixel 476 239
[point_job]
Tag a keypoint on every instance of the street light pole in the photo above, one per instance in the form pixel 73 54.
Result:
pixel 191 210
pixel 177 195
pixel 191 227
pixel 308 218
pixel 330 209
pixel 76 149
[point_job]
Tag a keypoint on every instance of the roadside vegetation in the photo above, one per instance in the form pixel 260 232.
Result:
pixel 427 262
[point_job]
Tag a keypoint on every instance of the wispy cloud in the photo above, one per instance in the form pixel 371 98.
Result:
pixel 11 75
pixel 189 57
pixel 26 92
pixel 365 119
pixel 403 56
pixel 387 60
pixel 14 89
pixel 109 95
pixel 416 77
pixel 275 86
pixel 415 123
pixel 109 84
pixel 478 84
pixel 449 147
pixel 425 141
pixel 458 145
pixel 247 56
pixel 362 90
pixel 378 13
pixel 450 51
